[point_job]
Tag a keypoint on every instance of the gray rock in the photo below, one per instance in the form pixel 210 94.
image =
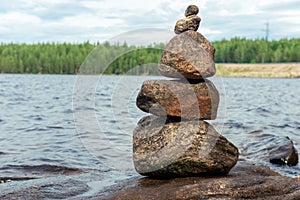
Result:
pixel 191 22
pixel 163 147
pixel 270 148
pixel 283 152
pixel 191 10
pixel 179 98
pixel 188 55
pixel 243 182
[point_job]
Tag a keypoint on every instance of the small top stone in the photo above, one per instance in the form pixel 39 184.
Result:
pixel 191 10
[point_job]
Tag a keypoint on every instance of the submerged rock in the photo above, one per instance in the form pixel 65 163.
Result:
pixel 188 55
pixel 179 98
pixel 189 23
pixel 283 152
pixel 271 148
pixel 163 147
pixel 243 182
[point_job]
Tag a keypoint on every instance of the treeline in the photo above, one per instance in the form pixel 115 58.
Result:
pixel 241 50
pixel 121 59
pixel 48 58
pixel 66 58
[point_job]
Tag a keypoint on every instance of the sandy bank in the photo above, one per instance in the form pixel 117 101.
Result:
pixel 270 70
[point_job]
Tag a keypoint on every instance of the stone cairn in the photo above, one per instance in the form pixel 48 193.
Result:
pixel 175 141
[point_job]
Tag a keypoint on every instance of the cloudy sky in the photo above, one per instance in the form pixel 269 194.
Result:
pixel 33 21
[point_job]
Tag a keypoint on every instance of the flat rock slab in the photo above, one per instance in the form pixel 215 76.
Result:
pixel 188 55
pixel 245 181
pixel 179 98
pixel 52 190
pixel 167 148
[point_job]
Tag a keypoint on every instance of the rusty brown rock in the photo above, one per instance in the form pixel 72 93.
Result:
pixel 164 147
pixel 202 41
pixel 191 10
pixel 179 98
pixel 191 22
pixel 188 55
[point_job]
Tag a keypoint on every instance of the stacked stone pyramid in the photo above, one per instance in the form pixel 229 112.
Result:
pixel 175 141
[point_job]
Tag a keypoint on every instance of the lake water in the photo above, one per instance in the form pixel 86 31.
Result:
pixel 53 125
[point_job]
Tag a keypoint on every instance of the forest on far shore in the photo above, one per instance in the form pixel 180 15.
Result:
pixel 66 58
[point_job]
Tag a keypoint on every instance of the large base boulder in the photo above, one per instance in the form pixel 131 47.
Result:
pixel 163 147
pixel 188 55
pixel 179 98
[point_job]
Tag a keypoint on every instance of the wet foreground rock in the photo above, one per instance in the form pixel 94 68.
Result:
pixel 51 190
pixel 167 148
pixel 179 98
pixel 245 181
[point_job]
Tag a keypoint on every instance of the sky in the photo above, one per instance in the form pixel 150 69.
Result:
pixel 76 21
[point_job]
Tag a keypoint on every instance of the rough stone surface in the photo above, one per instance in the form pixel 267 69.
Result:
pixel 163 147
pixel 179 98
pixel 188 55
pixel 243 182
pixel 191 22
pixel 191 10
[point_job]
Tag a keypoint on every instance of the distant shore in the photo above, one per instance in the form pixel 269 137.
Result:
pixel 244 70
pixel 269 70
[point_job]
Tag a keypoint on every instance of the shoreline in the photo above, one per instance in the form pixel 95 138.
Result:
pixel 263 70
pixel 234 70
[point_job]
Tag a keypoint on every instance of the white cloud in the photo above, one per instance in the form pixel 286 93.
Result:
pixel 15 26
pixel 16 18
pixel 89 21
pixel 82 20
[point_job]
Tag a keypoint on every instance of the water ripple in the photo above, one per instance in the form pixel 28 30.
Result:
pixel 38 133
